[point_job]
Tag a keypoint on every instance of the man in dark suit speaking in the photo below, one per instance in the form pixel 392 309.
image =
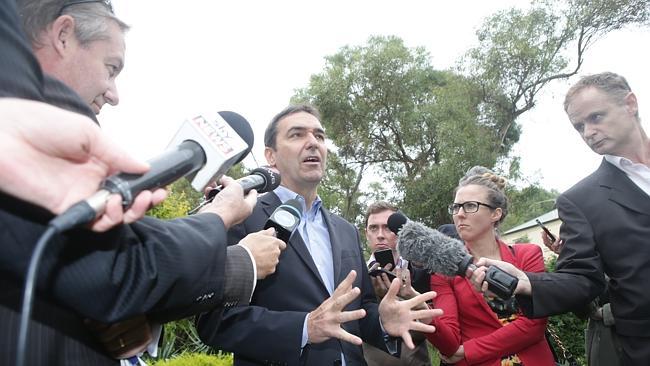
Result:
pixel 319 304
pixel 606 221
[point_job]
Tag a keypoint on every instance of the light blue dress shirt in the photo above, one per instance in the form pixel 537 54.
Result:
pixel 314 233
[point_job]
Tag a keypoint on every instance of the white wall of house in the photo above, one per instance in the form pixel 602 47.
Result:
pixel 534 234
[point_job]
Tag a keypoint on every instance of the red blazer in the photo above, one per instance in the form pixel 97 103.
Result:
pixel 468 320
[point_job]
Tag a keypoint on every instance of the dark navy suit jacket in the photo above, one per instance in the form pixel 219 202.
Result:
pixel 269 331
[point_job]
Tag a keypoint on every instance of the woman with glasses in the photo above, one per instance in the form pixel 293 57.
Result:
pixel 478 330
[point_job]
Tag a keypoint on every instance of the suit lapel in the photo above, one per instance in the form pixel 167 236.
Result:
pixel 336 245
pixel 270 202
pixel 621 188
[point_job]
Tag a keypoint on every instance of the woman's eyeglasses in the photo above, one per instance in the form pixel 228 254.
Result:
pixel 468 207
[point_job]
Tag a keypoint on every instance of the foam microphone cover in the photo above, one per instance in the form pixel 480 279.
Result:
pixel 435 251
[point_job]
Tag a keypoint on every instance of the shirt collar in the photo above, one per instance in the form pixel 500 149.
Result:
pixel 285 194
pixel 620 162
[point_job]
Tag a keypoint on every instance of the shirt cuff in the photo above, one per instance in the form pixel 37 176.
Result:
pixel 305 333
pixel 393 344
pixel 156 332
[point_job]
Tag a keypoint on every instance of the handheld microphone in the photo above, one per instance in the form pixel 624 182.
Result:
pixel 285 219
pixel 202 149
pixel 439 253
pixel 263 179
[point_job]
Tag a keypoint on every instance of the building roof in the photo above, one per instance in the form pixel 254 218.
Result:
pixel 549 216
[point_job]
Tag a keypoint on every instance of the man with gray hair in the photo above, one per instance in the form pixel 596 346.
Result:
pixel 164 269
pixel 78 42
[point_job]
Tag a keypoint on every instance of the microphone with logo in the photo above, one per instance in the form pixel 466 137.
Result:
pixel 285 219
pixel 263 179
pixel 439 253
pixel 203 149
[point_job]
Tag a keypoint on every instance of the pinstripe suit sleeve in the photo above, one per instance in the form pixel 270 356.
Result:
pixel 166 269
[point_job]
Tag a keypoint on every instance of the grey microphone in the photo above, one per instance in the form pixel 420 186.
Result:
pixel 439 253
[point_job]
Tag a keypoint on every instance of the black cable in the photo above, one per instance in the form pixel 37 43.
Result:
pixel 29 291
pixel 77 215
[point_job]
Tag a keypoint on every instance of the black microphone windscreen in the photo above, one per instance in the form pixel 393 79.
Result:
pixel 435 251
pixel 396 221
pixel 243 129
pixel 272 178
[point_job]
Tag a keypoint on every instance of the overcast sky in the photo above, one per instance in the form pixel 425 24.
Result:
pixel 186 58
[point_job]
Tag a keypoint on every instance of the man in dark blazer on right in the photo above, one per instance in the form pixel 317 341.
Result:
pixel 606 221
pixel 319 304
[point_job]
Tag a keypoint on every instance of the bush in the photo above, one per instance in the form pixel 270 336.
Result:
pixel 569 328
pixel 182 337
pixel 197 359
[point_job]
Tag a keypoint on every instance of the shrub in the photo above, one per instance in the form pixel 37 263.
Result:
pixel 197 359
pixel 569 328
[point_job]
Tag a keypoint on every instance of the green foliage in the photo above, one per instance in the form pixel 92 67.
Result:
pixel 391 114
pixel 237 171
pixel 196 359
pixel 182 197
pixel 521 51
pixel 527 203
pixel 569 328
pixel 434 355
pixel 339 190
pixel 181 337
pixel 177 202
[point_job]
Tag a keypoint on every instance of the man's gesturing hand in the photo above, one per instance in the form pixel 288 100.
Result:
pixel 325 322
pixel 399 317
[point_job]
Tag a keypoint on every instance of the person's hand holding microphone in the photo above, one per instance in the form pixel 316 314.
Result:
pixel 54 158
